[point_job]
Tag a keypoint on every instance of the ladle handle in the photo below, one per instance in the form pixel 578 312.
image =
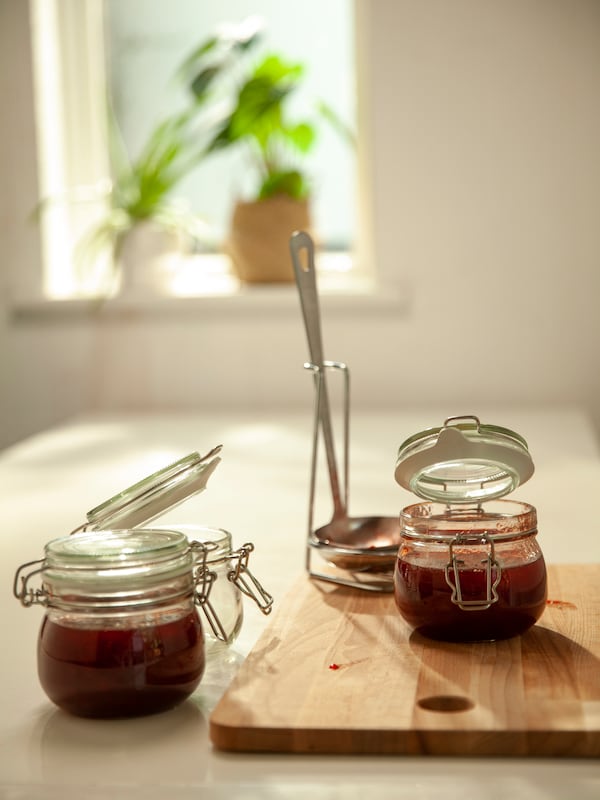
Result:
pixel 304 269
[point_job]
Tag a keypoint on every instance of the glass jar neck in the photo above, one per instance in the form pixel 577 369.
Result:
pixel 217 541
pixel 118 597
pixel 499 520
pixel 120 616
pixel 116 570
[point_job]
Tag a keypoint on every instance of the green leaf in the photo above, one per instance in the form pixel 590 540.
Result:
pixel 167 156
pixel 190 62
pixel 221 139
pixel 258 107
pixel 301 136
pixel 248 44
pixel 290 183
pixel 203 81
pixel 276 70
pixel 328 113
pixel 117 151
pixel 215 57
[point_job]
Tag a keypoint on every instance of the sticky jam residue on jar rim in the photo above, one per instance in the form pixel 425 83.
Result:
pixel 501 519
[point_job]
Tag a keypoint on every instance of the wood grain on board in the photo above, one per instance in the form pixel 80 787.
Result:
pixel 338 671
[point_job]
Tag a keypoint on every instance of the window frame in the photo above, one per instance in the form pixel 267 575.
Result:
pixel 28 284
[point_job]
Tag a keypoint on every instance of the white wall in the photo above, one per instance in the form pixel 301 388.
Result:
pixel 482 124
pixel 486 125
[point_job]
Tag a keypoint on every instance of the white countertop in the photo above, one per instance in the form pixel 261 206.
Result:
pixel 260 493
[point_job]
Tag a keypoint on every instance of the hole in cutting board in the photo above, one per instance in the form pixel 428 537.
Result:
pixel 445 703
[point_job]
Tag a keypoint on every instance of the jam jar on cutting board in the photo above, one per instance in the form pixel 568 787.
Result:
pixel 469 566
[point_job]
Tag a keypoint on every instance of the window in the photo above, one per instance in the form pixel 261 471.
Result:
pixel 145 46
pixel 68 66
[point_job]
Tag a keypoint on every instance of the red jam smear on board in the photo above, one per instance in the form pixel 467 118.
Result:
pixel 422 596
pixel 121 673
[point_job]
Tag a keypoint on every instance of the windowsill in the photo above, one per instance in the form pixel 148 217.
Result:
pixel 222 293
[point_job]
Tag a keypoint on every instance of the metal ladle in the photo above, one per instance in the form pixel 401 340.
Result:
pixel 351 543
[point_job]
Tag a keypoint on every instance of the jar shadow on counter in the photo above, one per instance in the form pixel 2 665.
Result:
pixel 147 749
pixel 72 746
pixel 222 665
pixel 65 738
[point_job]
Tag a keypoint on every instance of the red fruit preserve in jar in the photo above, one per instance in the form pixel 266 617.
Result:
pixel 113 672
pixel 121 636
pixel 468 570
pixel 470 574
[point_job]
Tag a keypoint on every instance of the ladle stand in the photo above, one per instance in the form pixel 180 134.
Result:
pixel 342 559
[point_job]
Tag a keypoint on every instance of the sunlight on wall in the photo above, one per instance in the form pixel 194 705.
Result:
pixel 55 219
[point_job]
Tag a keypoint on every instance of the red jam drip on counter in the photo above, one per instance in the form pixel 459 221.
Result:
pixel 121 673
pixel 422 596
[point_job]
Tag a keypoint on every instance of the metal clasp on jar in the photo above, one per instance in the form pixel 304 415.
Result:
pixel 22 590
pixel 204 579
pixel 246 582
pixel 492 573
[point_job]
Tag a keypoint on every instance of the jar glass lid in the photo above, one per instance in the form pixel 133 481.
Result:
pixel 464 461
pixel 155 494
pixel 120 548
pixel 127 559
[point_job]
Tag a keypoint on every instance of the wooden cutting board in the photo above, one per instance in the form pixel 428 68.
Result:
pixel 338 671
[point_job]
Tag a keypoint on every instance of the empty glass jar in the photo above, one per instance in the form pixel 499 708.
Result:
pixel 159 493
pixel 232 579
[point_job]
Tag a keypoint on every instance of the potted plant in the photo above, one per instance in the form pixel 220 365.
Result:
pixel 141 228
pixel 259 120
pixel 144 225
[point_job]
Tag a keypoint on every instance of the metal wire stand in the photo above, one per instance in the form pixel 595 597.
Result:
pixel 319 379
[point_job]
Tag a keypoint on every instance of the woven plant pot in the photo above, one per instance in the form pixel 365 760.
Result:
pixel 259 238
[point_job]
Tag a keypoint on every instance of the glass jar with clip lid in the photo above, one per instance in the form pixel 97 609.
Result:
pixel 121 635
pixel 149 499
pixel 469 566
